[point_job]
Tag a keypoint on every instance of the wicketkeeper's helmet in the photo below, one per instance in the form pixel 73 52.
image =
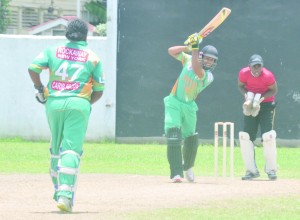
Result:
pixel 77 30
pixel 209 51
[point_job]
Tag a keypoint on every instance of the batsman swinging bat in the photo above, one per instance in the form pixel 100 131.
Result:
pixel 214 23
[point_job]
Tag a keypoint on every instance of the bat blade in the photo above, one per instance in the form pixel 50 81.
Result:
pixel 215 22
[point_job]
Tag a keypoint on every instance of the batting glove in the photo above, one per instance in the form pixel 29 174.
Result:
pixel 193 41
pixel 39 95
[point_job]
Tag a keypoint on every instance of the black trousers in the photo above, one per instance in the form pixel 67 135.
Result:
pixel 264 119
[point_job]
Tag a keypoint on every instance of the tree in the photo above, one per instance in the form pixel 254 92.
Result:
pixel 98 10
pixel 4 20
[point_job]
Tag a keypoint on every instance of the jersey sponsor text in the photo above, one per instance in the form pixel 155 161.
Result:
pixel 56 85
pixel 72 54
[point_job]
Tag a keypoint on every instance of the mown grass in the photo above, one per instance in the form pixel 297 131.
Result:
pixel 285 208
pixel 18 156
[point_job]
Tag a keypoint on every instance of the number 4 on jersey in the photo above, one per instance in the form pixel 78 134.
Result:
pixel 67 69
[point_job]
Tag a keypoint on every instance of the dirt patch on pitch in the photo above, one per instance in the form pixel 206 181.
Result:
pixel 104 196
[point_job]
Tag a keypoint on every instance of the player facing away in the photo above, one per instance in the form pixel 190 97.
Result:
pixel 258 85
pixel 76 81
pixel 181 108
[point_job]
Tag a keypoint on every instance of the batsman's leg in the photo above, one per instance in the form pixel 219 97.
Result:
pixel 56 127
pixel 174 153
pixel 270 153
pixel 75 125
pixel 190 148
pixel 67 170
pixel 172 123
pixel 248 155
pixel 68 121
pixel 54 157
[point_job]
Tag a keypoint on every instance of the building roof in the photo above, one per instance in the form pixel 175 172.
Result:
pixel 63 20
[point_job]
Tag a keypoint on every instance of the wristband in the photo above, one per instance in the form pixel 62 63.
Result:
pixel 39 88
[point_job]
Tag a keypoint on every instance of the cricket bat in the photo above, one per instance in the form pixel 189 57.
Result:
pixel 214 23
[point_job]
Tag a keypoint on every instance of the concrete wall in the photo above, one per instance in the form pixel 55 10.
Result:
pixel 21 115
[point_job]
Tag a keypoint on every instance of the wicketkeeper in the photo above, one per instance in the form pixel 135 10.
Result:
pixel 76 81
pixel 180 107
pixel 258 86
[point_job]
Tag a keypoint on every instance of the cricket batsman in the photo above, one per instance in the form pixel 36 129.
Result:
pixel 76 81
pixel 258 85
pixel 181 108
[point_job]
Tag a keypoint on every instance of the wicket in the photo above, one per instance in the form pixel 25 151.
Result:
pixel 216 142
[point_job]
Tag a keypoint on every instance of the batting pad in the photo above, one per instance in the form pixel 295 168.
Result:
pixel 68 170
pixel 270 152
pixel 53 172
pixel 248 154
pixel 174 153
pixel 190 148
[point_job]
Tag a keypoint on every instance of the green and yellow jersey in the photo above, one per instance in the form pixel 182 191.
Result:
pixel 74 70
pixel 188 84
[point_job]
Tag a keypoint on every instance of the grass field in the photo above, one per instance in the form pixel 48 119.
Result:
pixel 148 159
pixel 285 208
pixel 19 156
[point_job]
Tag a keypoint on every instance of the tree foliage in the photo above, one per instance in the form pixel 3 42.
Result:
pixel 97 9
pixel 101 29
pixel 4 21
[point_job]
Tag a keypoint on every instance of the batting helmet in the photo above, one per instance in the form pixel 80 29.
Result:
pixel 77 30
pixel 209 51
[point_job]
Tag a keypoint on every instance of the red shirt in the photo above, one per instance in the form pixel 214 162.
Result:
pixel 257 84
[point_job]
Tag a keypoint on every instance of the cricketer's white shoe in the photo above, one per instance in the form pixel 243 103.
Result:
pixel 177 179
pixel 189 175
pixel 272 175
pixel 250 176
pixel 64 204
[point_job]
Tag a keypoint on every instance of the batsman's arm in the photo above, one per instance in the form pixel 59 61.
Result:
pixel 193 41
pixel 96 96
pixel 176 50
pixel 39 95
pixel 35 77
pixel 196 65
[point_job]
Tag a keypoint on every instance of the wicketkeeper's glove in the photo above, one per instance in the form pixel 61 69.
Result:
pixel 39 95
pixel 256 104
pixel 248 104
